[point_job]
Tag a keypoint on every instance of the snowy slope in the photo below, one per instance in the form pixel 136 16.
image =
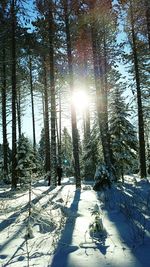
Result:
pixel 60 226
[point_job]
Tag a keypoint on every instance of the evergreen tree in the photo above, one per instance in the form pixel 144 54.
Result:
pixel 26 162
pixel 103 29
pixel 134 56
pixel 92 153
pixel 42 150
pixel 66 152
pixel 4 22
pixel 67 12
pixel 122 133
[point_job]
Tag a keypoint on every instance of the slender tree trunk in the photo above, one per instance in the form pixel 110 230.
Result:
pixel 139 100
pixel 87 113
pixel 32 102
pixel 101 96
pixel 53 99
pixel 46 124
pixel 4 122
pixel 73 111
pixel 104 72
pixel 147 6
pixel 59 133
pixel 14 137
pixel 19 112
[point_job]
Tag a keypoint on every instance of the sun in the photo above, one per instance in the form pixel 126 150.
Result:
pixel 80 100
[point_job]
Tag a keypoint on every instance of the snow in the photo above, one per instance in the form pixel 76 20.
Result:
pixel 62 222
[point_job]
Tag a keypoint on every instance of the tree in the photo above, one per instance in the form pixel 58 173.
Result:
pixel 134 57
pixel 66 152
pixel 14 94
pixel 92 152
pixel 71 85
pixel 3 23
pixel 123 140
pixel 52 89
pixel 46 122
pixel 147 8
pixel 26 163
pixel 101 27
pixel 46 27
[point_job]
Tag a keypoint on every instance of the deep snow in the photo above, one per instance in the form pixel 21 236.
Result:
pixel 60 226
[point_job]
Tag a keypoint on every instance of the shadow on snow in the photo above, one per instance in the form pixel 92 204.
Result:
pixel 65 246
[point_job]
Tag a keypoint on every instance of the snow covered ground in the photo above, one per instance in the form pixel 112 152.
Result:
pixel 62 222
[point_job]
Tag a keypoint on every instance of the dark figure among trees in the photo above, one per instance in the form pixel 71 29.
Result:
pixel 59 174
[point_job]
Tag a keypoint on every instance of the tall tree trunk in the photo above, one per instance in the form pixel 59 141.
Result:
pixel 14 137
pixel 147 6
pixel 100 74
pixel 59 133
pixel 139 99
pixel 73 111
pixel 46 123
pixel 32 102
pixel 4 122
pixel 19 112
pixel 87 113
pixel 52 90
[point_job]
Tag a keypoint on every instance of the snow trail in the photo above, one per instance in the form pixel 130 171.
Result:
pixel 76 247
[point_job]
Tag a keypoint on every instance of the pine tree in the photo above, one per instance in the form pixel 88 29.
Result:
pixel 102 23
pixel 66 151
pixel 124 145
pixel 26 163
pixel 3 46
pixel 133 33
pixel 92 153
pixel 75 141
pixel 14 94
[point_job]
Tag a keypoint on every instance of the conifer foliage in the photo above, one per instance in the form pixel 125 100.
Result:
pixel 122 133
pixel 26 160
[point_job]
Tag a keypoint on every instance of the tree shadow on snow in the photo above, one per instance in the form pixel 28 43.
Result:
pixel 128 218
pixel 65 246
pixel 15 258
pixel 13 218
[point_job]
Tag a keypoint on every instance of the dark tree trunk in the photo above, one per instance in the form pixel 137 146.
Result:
pixel 147 6
pixel 14 138
pixel 46 123
pixel 4 122
pixel 59 149
pixel 73 112
pixel 58 126
pixel 19 112
pixel 142 156
pixel 100 73
pixel 87 113
pixel 52 90
pixel 32 102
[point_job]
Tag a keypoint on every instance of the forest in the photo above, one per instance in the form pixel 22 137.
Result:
pixel 55 51
pixel 75 94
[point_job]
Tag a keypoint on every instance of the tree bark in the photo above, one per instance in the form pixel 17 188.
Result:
pixel 87 113
pixel 100 73
pixel 19 112
pixel 147 7
pixel 58 126
pixel 73 111
pixel 52 90
pixel 46 124
pixel 4 122
pixel 32 102
pixel 139 99
pixel 14 137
